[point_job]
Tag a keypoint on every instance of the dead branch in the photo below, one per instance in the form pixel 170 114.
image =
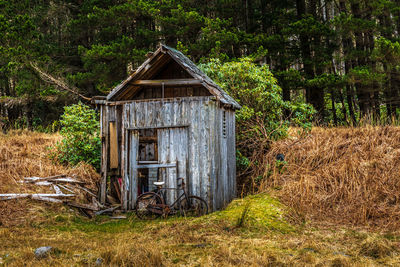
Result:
pixel 57 81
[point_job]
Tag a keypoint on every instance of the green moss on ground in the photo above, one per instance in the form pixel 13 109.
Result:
pixel 259 211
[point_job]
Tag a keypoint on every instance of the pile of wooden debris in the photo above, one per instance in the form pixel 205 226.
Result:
pixel 68 190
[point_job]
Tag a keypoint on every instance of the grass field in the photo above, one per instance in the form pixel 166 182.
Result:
pixel 265 238
pixel 255 231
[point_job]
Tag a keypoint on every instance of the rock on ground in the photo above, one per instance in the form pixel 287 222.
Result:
pixel 42 252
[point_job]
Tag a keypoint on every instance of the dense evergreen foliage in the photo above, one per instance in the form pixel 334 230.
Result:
pixel 341 56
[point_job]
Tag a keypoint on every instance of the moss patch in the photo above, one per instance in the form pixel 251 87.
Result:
pixel 260 211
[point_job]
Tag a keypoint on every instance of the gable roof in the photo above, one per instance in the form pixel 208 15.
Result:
pixel 186 64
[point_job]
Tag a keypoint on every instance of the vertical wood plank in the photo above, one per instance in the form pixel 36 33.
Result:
pixel 123 159
pixel 204 161
pixel 103 186
pixel 133 171
pixel 212 155
pixel 113 145
pixel 224 161
pixel 233 155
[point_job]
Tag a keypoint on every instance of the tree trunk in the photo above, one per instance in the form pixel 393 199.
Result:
pixel 347 45
pixel 305 49
pixel 362 94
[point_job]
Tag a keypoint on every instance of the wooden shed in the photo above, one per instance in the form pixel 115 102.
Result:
pixel 168 120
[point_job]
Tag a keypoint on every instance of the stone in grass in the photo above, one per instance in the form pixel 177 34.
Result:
pixel 99 261
pixel 42 252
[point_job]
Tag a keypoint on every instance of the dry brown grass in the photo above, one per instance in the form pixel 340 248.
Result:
pixel 214 240
pixel 25 154
pixel 340 175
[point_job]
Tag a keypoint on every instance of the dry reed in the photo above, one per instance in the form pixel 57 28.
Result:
pixel 340 175
pixel 25 154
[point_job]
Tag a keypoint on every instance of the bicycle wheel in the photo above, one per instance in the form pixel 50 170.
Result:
pixel 193 206
pixel 146 205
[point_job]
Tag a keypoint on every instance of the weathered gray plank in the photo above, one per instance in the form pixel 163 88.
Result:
pixel 173 149
pixel 203 148
pixel 233 154
pixel 157 165
pixel 212 154
pixel 224 161
pixel 133 170
pixel 159 127
pixel 124 158
pixel 104 159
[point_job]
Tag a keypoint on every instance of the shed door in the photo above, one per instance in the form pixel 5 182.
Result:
pixel 173 147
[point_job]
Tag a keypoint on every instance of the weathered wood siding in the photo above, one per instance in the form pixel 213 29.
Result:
pixel 193 131
pixel 173 147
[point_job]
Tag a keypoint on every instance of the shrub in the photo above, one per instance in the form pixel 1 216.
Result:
pixel 81 136
pixel 264 116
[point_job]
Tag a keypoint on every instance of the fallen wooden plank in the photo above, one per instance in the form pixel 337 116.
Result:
pixel 66 189
pixel 67 180
pixel 96 203
pixel 107 210
pixel 14 196
pixel 83 206
pixel 70 187
pixel 44 183
pixel 52 179
pixel 31 179
pixel 47 199
pixel 57 189
pixel 86 190
pixel 118 217
pixel 37 179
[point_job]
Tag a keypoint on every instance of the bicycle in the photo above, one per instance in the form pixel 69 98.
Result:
pixel 151 205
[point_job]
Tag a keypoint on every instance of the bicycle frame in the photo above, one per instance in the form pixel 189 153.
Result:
pixel 161 192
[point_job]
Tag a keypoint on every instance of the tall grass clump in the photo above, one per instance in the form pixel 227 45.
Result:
pixel 342 175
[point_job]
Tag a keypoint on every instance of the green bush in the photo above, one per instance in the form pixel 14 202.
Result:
pixel 81 141
pixel 264 113
pixel 264 116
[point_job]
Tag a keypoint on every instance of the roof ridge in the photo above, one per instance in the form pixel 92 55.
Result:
pixel 190 67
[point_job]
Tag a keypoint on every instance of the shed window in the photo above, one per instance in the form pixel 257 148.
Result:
pixel 148 154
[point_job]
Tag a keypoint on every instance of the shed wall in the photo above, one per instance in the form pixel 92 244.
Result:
pixel 211 143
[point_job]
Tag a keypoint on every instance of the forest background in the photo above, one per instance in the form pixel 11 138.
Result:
pixel 342 57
